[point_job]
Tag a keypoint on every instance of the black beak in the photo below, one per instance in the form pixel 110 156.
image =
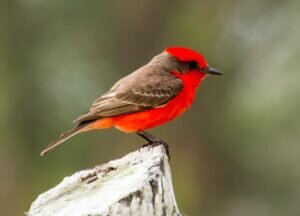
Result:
pixel 210 70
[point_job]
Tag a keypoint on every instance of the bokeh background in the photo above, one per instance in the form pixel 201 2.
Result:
pixel 236 152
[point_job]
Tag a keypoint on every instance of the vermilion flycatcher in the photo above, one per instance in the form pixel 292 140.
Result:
pixel 150 96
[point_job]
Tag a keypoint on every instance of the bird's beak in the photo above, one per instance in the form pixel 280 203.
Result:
pixel 210 70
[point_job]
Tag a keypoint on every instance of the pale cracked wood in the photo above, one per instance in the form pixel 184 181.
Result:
pixel 138 184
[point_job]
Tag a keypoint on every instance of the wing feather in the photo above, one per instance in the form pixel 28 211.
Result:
pixel 146 88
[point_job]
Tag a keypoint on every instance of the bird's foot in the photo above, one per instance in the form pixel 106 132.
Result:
pixel 153 141
pixel 157 143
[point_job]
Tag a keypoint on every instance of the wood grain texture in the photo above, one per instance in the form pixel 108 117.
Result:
pixel 138 184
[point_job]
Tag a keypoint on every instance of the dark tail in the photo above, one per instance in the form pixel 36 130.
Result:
pixel 79 128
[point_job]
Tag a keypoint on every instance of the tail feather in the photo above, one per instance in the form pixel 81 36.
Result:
pixel 64 137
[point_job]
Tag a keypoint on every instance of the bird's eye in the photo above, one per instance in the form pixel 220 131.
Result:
pixel 192 64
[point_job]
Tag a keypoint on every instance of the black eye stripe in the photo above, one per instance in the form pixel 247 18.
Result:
pixel 185 66
pixel 192 64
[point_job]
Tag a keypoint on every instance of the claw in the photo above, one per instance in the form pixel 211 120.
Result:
pixel 157 143
pixel 153 141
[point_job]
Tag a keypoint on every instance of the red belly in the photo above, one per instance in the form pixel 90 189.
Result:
pixel 153 117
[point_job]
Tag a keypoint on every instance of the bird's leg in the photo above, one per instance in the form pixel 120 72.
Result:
pixel 153 141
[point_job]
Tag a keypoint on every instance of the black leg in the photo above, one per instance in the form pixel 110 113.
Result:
pixel 153 141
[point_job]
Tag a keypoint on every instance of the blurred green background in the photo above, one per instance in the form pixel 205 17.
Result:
pixel 236 152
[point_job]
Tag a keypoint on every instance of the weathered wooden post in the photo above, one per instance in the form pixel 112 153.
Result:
pixel 138 184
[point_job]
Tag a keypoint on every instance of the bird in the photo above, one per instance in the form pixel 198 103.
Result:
pixel 154 94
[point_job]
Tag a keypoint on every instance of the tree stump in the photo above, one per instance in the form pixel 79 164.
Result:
pixel 139 184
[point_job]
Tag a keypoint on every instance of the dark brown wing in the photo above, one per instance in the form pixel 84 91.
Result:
pixel 148 87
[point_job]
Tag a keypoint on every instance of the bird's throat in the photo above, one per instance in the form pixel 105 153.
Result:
pixel 191 80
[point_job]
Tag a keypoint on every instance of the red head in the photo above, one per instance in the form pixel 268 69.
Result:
pixel 188 55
